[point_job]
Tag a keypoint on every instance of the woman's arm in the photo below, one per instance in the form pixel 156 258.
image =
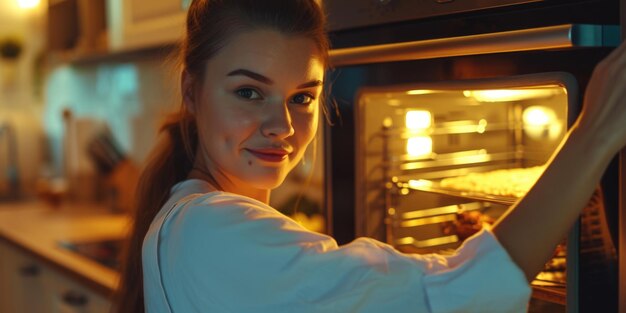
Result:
pixel 531 229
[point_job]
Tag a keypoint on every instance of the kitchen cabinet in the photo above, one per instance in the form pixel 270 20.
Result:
pixel 137 24
pixel 76 27
pixel 66 295
pixel 21 282
pixel 28 285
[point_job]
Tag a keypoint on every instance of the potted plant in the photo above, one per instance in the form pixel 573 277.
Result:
pixel 10 51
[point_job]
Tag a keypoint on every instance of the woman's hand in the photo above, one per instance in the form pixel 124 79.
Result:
pixel 604 110
pixel 531 229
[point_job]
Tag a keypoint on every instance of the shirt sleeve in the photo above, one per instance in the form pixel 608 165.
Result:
pixel 480 275
pixel 236 255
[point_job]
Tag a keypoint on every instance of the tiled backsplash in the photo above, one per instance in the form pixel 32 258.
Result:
pixel 131 98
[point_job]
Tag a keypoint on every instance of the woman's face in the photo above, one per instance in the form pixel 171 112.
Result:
pixel 258 108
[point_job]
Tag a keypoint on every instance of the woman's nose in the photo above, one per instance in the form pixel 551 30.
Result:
pixel 278 121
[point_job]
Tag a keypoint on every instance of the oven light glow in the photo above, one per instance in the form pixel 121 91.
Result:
pixel 393 102
pixel 541 122
pixel 419 183
pixel 504 95
pixel 419 146
pixel 415 92
pixel 482 125
pixel 418 119
pixel 28 4
pixel 538 116
pixel 387 122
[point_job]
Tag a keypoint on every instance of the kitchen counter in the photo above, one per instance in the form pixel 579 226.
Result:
pixel 37 229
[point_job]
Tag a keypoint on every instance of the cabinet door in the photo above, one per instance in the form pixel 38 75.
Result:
pixel 21 282
pixel 6 294
pixel 68 296
pixel 144 23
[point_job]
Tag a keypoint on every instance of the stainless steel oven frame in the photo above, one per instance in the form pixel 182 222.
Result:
pixel 622 196
pixel 522 37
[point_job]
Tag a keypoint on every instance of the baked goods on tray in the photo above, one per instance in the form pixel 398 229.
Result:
pixel 506 182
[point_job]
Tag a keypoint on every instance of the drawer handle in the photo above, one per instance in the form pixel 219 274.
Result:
pixel 75 299
pixel 30 270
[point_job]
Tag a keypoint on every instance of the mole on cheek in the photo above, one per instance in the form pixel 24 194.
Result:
pixel 249 162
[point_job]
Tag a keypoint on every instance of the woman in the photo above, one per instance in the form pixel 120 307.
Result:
pixel 252 82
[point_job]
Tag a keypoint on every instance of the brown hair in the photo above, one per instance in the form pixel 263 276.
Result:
pixel 210 23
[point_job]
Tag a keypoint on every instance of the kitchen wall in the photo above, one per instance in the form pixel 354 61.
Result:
pixel 130 96
pixel 21 100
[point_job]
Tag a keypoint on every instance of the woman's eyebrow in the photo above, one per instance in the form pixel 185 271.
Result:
pixel 253 75
pixel 268 81
pixel 313 83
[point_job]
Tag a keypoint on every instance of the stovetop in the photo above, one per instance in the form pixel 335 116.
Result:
pixel 106 252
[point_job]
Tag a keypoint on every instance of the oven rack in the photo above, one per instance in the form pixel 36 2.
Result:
pixel 552 291
pixel 448 128
pixel 433 186
pixel 398 219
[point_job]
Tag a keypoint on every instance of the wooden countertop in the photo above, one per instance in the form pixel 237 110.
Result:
pixel 36 229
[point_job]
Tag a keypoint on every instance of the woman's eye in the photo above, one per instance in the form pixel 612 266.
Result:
pixel 302 98
pixel 248 94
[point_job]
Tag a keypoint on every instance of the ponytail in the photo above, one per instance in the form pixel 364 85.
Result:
pixel 169 163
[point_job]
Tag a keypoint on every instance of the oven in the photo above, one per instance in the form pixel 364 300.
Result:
pixel 448 112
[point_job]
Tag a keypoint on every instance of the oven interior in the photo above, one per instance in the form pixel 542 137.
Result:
pixel 436 161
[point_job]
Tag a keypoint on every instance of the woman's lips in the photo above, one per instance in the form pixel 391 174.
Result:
pixel 269 155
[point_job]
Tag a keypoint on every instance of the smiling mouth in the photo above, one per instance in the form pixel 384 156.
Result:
pixel 269 155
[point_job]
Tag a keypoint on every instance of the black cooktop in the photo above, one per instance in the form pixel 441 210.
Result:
pixel 106 252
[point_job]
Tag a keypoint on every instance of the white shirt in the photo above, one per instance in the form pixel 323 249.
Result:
pixel 221 252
